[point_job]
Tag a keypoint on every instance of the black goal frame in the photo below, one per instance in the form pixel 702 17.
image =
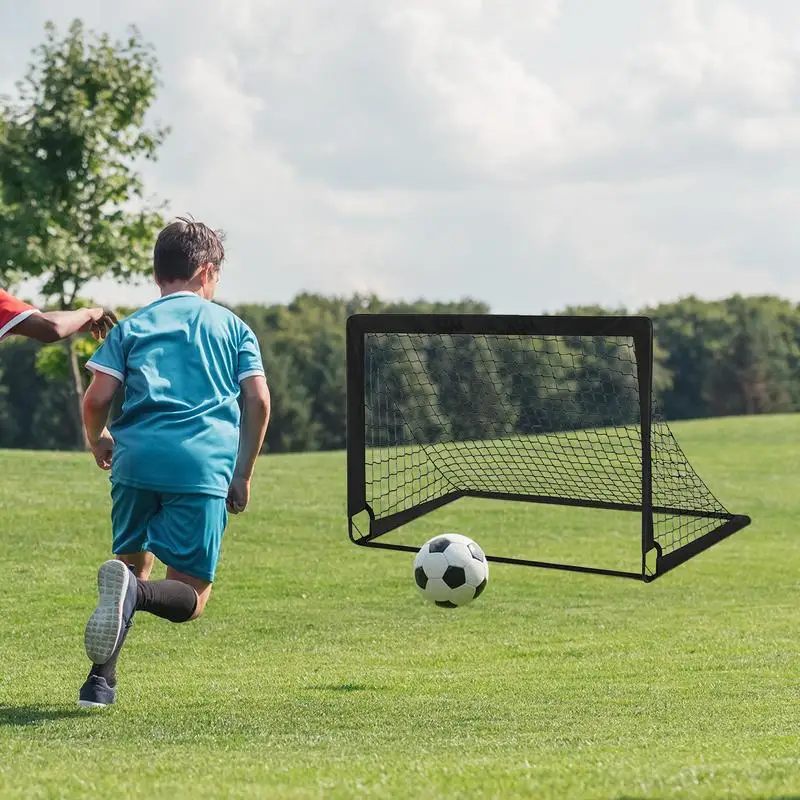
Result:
pixel 637 328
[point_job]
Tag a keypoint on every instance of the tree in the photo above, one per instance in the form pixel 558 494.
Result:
pixel 734 356
pixel 8 428
pixel 756 372
pixel 72 205
pixel 39 406
pixel 692 332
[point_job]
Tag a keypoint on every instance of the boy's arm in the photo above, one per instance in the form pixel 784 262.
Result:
pixel 255 419
pixel 52 326
pixel 96 407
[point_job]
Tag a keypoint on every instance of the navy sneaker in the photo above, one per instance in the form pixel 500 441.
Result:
pixel 96 693
pixel 116 604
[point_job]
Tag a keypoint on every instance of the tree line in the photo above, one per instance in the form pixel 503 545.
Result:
pixel 735 356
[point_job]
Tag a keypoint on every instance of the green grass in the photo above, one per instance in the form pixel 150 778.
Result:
pixel 317 670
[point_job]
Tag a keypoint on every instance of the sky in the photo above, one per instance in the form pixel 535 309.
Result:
pixel 532 154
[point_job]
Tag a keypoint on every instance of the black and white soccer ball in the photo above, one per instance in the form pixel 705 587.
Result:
pixel 451 570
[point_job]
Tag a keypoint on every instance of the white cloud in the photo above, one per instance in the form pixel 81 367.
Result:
pixel 213 88
pixel 498 114
pixel 729 76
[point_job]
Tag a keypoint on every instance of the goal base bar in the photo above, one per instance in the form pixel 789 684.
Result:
pixel 366 542
pixel 664 562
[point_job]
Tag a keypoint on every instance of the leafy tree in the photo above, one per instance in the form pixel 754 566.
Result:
pixel 72 205
pixel 39 406
pixel 8 427
pixel 734 356
pixel 757 371
pixel 692 333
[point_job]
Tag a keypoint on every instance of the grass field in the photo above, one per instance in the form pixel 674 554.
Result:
pixel 319 672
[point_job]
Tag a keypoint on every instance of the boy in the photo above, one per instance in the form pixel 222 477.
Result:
pixel 178 459
pixel 20 319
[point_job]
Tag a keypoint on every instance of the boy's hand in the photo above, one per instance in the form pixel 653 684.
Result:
pixel 103 450
pixel 101 322
pixel 238 495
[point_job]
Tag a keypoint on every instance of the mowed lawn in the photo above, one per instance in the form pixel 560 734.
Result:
pixel 318 671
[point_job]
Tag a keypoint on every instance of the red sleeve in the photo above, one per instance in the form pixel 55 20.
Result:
pixel 12 312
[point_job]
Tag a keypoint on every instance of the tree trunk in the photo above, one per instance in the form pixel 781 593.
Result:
pixel 76 392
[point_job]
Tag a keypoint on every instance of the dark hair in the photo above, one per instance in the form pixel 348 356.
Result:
pixel 183 246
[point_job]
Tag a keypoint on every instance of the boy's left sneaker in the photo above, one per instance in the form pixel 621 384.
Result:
pixel 96 693
pixel 116 586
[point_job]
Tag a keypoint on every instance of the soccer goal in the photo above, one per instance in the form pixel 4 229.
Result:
pixel 550 409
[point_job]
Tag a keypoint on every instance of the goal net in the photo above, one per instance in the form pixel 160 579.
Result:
pixel 554 410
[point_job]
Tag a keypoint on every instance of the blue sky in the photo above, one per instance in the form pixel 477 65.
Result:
pixel 529 153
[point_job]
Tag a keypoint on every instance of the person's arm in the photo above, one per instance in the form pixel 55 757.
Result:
pixel 255 419
pixel 52 326
pixel 96 408
pixel 107 366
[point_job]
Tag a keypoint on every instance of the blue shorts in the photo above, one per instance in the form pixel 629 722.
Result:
pixel 184 531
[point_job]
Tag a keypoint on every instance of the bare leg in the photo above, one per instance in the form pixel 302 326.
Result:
pixel 142 563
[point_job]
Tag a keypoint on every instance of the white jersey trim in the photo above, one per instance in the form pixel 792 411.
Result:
pixel 16 321
pixel 92 367
pixel 250 374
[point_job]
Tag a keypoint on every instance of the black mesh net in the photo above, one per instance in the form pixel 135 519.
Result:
pixel 521 416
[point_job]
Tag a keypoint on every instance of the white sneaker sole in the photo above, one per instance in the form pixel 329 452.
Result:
pixel 90 704
pixel 105 624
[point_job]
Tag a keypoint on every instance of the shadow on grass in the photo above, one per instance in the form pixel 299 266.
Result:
pixel 36 715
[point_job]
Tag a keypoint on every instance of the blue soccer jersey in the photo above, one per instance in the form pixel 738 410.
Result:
pixel 181 360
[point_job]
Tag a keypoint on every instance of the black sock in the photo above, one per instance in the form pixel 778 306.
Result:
pixel 109 669
pixel 172 600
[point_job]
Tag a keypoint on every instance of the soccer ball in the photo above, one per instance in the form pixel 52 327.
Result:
pixel 451 570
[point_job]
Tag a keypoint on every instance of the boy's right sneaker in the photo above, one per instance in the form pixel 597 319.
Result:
pixel 116 603
pixel 96 693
